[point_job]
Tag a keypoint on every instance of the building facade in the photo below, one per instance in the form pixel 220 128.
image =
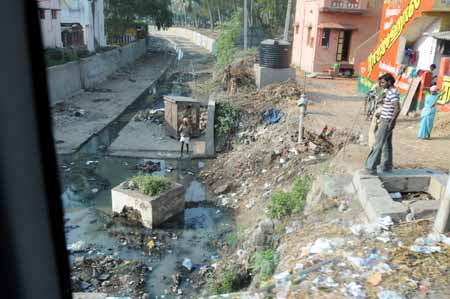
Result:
pixel 413 35
pixel 327 32
pixel 50 19
pixel 83 22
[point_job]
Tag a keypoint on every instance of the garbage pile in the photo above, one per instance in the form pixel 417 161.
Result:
pixel 152 115
pixel 379 260
pixel 115 277
pixel 67 109
pixel 148 166
pixel 289 90
pixel 239 74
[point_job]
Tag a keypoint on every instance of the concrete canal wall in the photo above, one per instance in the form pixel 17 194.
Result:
pixel 71 78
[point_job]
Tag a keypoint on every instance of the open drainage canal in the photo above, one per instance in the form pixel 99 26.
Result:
pixel 93 233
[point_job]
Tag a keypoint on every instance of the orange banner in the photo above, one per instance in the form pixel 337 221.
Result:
pixel 397 16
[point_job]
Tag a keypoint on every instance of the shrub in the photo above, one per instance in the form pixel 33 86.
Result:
pixel 151 185
pixel 227 119
pixel 226 43
pixel 286 203
pixel 224 283
pixel 264 263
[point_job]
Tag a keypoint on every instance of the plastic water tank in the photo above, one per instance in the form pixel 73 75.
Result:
pixel 274 54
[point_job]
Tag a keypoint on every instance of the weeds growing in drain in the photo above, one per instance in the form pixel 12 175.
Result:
pixel 284 204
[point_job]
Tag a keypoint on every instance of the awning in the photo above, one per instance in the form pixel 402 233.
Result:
pixel 445 35
pixel 336 26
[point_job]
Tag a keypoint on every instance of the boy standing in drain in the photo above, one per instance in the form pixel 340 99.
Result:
pixel 185 134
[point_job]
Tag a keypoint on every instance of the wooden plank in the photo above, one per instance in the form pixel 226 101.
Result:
pixel 410 95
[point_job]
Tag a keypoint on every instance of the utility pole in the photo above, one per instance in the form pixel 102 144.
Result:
pixel 245 25
pixel 442 222
pixel 288 20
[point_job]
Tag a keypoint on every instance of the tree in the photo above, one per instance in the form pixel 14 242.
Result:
pixel 123 14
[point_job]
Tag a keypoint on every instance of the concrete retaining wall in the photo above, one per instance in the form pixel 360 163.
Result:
pixel 197 38
pixel 69 79
pixel 64 81
pixel 96 69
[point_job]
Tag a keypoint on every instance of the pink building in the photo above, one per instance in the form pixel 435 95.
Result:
pixel 50 18
pixel 330 31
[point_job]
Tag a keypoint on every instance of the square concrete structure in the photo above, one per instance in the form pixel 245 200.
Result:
pixel 154 209
pixel 373 192
pixel 265 76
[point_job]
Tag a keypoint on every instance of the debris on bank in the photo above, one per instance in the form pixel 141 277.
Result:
pixel 105 274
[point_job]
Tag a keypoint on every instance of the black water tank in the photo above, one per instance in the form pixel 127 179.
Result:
pixel 274 54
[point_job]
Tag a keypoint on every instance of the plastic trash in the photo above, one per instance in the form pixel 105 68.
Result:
pixel 272 116
pixel 151 244
pixel 425 249
pixel 284 291
pixel 326 246
pixel 389 295
pixel 432 239
pixel 382 268
pixel 187 263
pixel 385 222
pixel 368 230
pixel 281 278
pixel 77 246
pixel 355 290
pixel 91 162
pixel 325 282
pixel 396 195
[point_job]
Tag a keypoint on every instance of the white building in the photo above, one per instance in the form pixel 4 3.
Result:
pixel 90 16
pixel 49 15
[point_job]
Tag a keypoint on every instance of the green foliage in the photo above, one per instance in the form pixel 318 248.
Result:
pixel 286 203
pixel 226 282
pixel 123 14
pixel 151 185
pixel 227 119
pixel 232 240
pixel 264 263
pixel 226 43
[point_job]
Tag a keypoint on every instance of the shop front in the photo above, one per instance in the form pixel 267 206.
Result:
pixel 414 46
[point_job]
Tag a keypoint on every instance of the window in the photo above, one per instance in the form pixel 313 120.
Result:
pixel 308 37
pixel 42 14
pixel 54 14
pixel 326 38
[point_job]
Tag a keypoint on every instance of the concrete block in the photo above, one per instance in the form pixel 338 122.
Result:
pixel 210 143
pixel 425 208
pixel 437 186
pixel 375 199
pixel 406 184
pixel 265 76
pixel 154 209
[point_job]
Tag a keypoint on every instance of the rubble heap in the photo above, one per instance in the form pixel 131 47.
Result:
pixel 116 277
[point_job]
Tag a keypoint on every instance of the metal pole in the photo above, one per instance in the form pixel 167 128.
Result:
pixel 442 222
pixel 245 25
pixel 302 103
pixel 300 124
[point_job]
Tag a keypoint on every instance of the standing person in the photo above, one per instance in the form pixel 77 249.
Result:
pixel 433 74
pixel 428 113
pixel 185 133
pixel 388 117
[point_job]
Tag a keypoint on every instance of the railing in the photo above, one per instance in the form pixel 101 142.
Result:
pixel 344 6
